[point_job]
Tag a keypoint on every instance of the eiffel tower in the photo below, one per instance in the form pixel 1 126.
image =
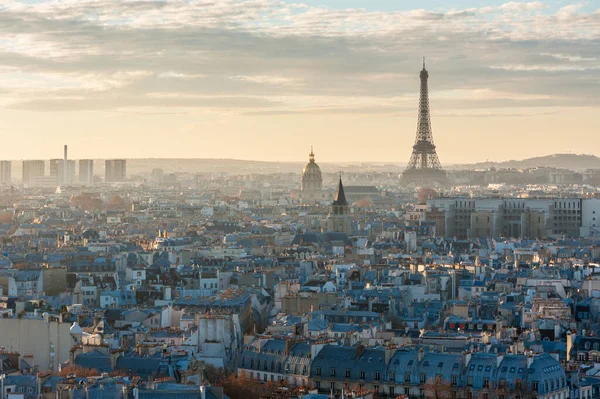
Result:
pixel 424 168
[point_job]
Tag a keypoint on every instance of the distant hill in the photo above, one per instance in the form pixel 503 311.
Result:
pixel 561 161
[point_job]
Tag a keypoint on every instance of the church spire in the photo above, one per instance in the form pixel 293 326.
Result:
pixel 340 196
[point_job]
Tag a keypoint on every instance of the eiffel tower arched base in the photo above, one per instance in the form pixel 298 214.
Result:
pixel 424 178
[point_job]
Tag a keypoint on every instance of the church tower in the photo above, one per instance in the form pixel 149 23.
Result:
pixel 339 218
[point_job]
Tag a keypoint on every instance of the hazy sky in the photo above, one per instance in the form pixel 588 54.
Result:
pixel 265 79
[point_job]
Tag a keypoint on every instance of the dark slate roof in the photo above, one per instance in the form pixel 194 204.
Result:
pixel 370 361
pixel 94 360
pixel 138 365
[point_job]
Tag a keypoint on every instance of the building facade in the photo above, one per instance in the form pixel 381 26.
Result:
pixel 5 172
pixel 115 170
pixel 86 172
pixel 530 218
pixel 32 169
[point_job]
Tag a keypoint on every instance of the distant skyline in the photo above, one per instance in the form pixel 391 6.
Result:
pixel 265 79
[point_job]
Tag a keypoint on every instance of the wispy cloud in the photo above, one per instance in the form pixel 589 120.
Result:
pixel 522 6
pixel 270 56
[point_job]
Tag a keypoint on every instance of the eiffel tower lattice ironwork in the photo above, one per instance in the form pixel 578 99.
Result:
pixel 424 167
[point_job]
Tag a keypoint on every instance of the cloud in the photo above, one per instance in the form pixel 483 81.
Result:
pixel 179 75
pixel 267 80
pixel 545 68
pixel 568 57
pixel 522 6
pixel 266 56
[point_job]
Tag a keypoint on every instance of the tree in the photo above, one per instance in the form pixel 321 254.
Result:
pixel 438 389
pixel 78 371
pixel 215 375
pixel 241 387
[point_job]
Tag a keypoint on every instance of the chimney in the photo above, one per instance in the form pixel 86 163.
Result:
pixel 360 349
pixel 65 167
pixel 570 343
pixel 202 392
pixel 389 353
pixel 486 338
pixel 529 359
pixel 420 355
pixel 499 359
pixel 467 357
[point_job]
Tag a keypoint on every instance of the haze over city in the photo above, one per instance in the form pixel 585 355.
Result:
pixel 264 80
pixel 299 199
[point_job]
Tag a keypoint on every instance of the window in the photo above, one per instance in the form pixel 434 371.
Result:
pixel 318 371
pixel 392 391
pixel 377 376
pixel 486 383
pixel 332 372
pixel 423 378
pixel 392 375
pixel 332 385
pixel 407 377
pixel 347 373
pixel 318 384
pixel 534 385
pixel 407 391
pixel 362 374
pixel 454 380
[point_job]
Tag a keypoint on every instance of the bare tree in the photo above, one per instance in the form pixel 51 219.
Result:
pixel 438 389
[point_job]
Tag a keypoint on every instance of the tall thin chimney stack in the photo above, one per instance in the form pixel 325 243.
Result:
pixel 65 168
